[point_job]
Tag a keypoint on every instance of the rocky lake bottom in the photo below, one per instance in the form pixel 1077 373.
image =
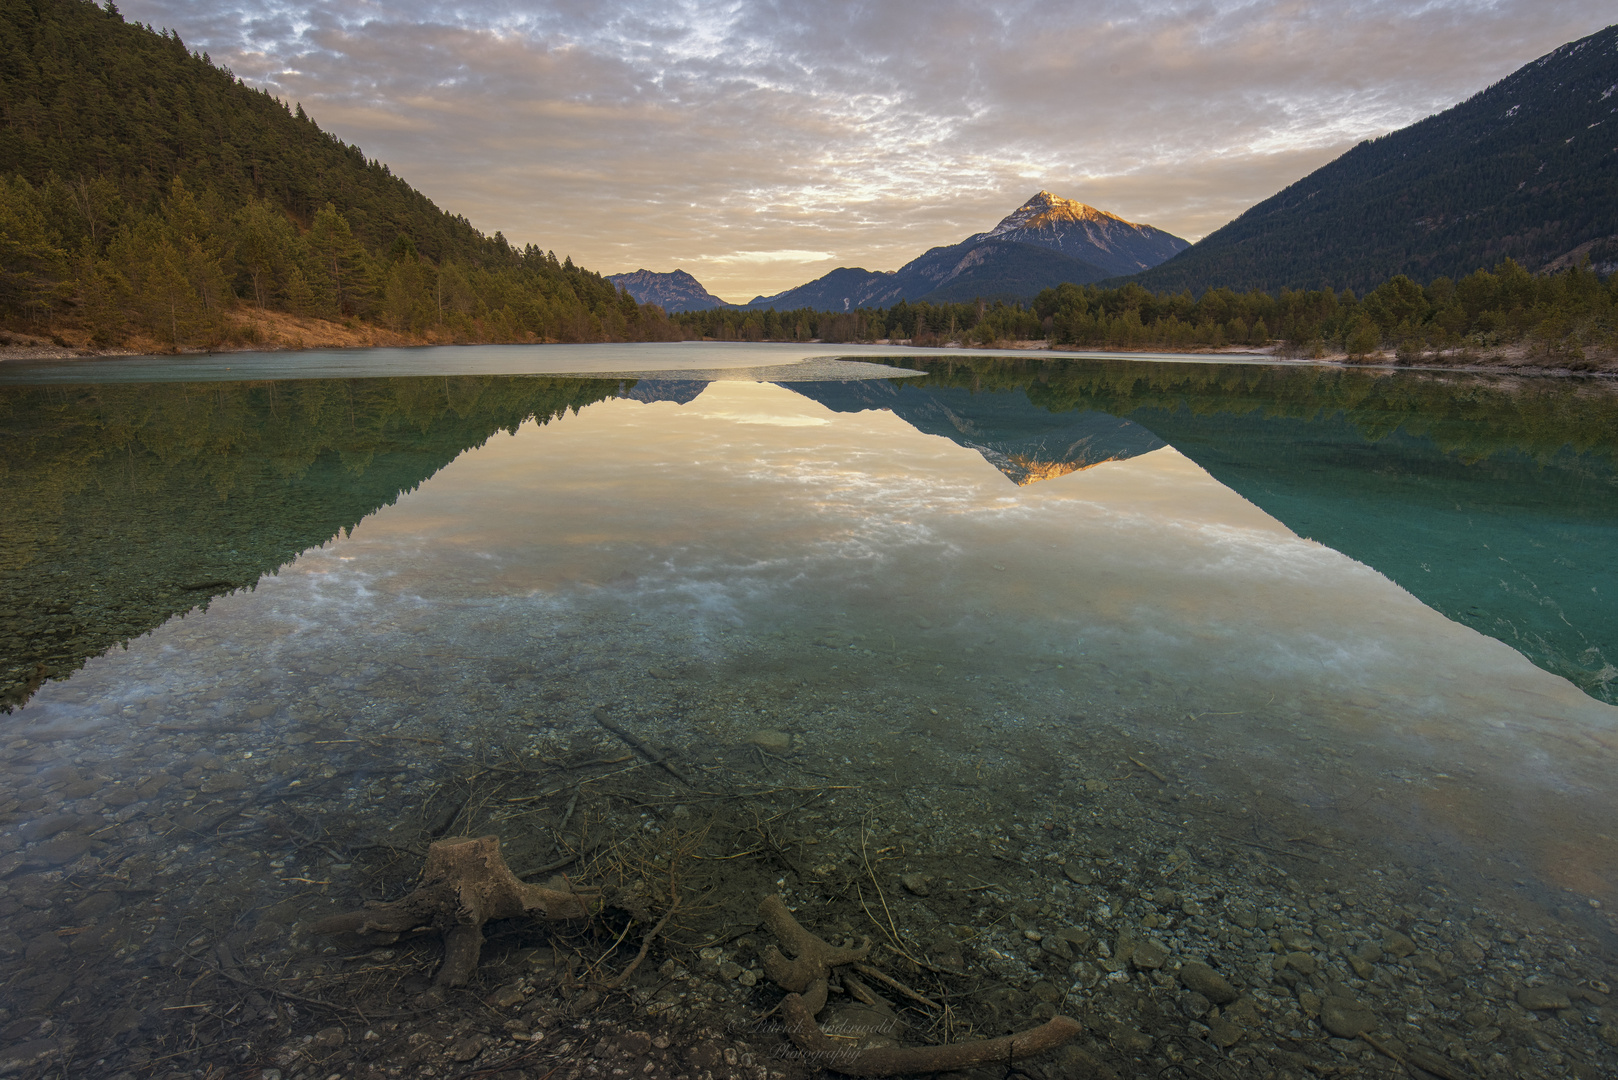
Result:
pixel 173 832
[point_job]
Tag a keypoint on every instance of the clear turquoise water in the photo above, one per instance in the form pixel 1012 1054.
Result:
pixel 1376 604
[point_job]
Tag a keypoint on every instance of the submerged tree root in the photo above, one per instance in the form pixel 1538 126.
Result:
pixel 826 1051
pixel 464 883
pixel 805 980
pixel 814 957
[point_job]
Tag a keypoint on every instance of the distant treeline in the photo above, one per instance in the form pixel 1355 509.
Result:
pixel 1559 315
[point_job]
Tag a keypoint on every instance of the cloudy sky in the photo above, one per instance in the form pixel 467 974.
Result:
pixel 760 143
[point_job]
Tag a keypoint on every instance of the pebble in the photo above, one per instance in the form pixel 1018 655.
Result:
pixel 46 827
pixel 1301 962
pixel 1129 1040
pixel 1541 998
pixel 1198 976
pixel 917 883
pixel 1398 945
pixel 1150 955
pixel 1079 875
pixel 1224 1032
pixel 468 1047
pixel 774 742
pixel 1426 961
pixel 507 996
pixel 56 852
pixel 1346 1018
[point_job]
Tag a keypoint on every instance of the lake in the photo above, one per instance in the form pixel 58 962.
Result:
pixel 1056 676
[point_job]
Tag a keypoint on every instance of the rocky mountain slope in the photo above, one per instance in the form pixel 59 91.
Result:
pixel 1526 169
pixel 674 291
pixel 1085 233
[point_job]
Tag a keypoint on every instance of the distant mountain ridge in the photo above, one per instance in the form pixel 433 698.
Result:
pixel 673 292
pixel 1046 241
pixel 1526 169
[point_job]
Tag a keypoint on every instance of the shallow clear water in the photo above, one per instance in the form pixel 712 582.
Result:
pixel 1278 625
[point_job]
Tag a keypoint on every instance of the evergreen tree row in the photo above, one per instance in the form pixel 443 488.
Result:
pixel 77 253
pixel 1559 316
pixel 84 94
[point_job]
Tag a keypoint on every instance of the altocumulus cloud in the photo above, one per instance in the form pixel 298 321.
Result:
pixel 757 144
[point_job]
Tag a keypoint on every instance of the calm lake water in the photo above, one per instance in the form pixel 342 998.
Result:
pixel 1071 662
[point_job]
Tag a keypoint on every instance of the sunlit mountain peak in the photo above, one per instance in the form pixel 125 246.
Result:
pixel 1045 209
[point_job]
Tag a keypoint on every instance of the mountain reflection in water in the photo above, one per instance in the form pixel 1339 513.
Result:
pixel 1025 442
pixel 1493 500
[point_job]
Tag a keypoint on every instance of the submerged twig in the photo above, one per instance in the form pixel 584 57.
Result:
pixel 642 747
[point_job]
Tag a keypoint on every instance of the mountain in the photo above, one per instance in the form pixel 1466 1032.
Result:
pixel 973 269
pixel 1087 234
pixel 996 269
pixel 674 291
pixel 1044 242
pixel 844 289
pixel 1526 169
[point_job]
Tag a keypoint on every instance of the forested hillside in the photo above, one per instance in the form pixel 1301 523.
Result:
pixel 1567 319
pixel 146 193
pixel 1526 170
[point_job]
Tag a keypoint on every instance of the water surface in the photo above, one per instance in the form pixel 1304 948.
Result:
pixel 1252 662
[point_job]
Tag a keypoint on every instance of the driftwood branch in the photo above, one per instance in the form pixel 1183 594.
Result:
pixel 640 746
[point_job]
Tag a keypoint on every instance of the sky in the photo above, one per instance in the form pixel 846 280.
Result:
pixel 758 145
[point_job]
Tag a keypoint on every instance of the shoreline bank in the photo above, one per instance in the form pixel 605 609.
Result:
pixel 293 334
